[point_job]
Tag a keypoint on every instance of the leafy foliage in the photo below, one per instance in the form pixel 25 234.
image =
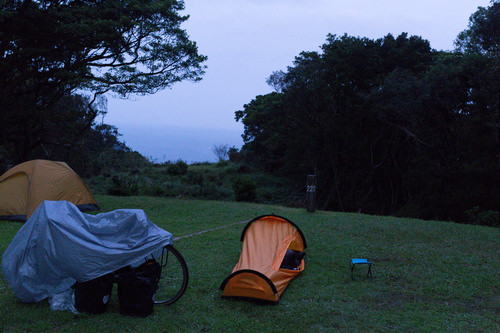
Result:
pixel 389 126
pixel 123 186
pixel 483 33
pixel 51 52
pixel 178 168
pixel 244 189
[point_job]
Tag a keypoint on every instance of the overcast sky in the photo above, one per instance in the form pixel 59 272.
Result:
pixel 246 40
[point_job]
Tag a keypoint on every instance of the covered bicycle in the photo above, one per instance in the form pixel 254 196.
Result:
pixel 60 247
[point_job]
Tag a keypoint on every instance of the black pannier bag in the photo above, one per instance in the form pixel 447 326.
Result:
pixel 137 287
pixel 93 296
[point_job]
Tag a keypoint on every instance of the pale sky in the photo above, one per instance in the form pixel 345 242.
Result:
pixel 246 40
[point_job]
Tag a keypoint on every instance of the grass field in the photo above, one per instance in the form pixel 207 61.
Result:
pixel 429 276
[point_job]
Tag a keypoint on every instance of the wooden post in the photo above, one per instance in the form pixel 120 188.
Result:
pixel 311 193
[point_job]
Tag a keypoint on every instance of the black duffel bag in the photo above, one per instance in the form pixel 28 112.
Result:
pixel 136 288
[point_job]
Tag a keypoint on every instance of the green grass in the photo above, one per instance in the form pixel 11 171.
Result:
pixel 429 276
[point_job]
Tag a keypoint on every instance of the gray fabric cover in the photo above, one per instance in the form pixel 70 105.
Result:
pixel 60 245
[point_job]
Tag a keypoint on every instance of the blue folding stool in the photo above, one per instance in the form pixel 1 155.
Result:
pixel 355 262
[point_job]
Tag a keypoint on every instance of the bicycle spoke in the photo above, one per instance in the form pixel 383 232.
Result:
pixel 174 277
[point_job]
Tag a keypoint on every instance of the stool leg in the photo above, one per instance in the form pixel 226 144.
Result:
pixel 369 274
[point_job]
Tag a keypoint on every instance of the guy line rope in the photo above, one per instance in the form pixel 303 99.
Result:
pixel 208 230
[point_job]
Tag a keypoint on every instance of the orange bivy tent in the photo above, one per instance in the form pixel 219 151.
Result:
pixel 272 255
pixel 24 187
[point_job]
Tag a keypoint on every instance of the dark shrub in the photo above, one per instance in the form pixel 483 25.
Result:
pixel 243 169
pixel 193 178
pixel 222 163
pixel 135 171
pixel 234 154
pixel 178 168
pixel 244 189
pixel 122 185
pixel 483 217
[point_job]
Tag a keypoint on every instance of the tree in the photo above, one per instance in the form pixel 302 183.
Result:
pixel 52 48
pixel 221 152
pixel 265 133
pixel 483 33
pixel 327 120
pixel 277 81
pixel 389 126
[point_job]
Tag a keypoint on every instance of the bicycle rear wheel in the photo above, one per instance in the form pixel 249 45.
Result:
pixel 173 278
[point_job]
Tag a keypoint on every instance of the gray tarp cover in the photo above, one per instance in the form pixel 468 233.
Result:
pixel 60 245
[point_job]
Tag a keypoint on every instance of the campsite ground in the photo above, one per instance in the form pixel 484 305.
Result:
pixel 429 276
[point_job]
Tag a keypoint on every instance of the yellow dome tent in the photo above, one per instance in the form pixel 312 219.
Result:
pixel 272 255
pixel 24 187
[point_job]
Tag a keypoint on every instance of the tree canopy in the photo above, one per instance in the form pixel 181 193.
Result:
pixel 51 50
pixel 389 126
pixel 483 33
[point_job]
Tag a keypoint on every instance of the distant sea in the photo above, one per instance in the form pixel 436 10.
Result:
pixel 161 144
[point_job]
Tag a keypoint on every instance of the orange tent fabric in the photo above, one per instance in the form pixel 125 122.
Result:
pixel 260 272
pixel 24 187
